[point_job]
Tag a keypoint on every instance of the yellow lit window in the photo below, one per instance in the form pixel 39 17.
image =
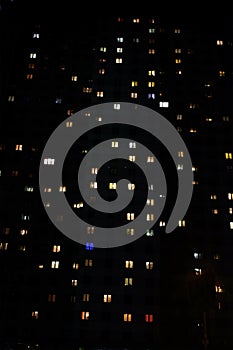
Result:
pixel 151 73
pixel 18 147
pixel 100 94
pixel 127 317
pixel 85 315
pixel 133 95
pixel 218 289
pixel 128 281
pixel 131 187
pixel 75 266
pixel 130 231
pixel 151 84
pixel 132 158
pixel 134 83
pixel 56 248
pixel 62 189
pixel 3 246
pixel 88 262
pixel 103 49
pixel 222 73
pixel 178 60
pixel 112 185
pixel 228 155
pixel 107 298
pixel 115 144
pixel 177 50
pixel 181 223
pixel 102 71
pixel 69 124
pixel 74 78
pixel 215 211
pixel 149 265
pixel 130 216
pixel 129 264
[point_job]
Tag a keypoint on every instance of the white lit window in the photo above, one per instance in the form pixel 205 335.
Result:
pixel 151 96
pixel 101 71
pixel 11 98
pixel 90 230
pixel 151 30
pixel 180 166
pixel 177 31
pixel 131 187
pixel 132 144
pixel 149 265
pixel 117 106
pixel 149 233
pixel 36 35
pixel 231 225
pixel 23 232
pixel 219 42
pixel 230 210
pixel 75 266
pixel 213 196
pixel 94 171
pixel 69 124
pixel 150 202
pixel 74 283
pixel 136 40
pixel 55 264
pixel 198 271
pixel 150 159
pixel 74 78
pixel 149 217
pixel 119 60
pixel 119 49
pixel 177 50
pixel 164 104
pixel 33 55
pixel 179 117
pixel 120 40
pixel 197 255
pixel 136 20
pixel 62 189
pixel 49 161
pixel 88 90
pixel 93 184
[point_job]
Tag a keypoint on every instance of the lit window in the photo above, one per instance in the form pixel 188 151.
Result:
pixel 100 94
pixel 134 83
pixel 151 187
pixel 101 71
pixel 193 105
pixel 179 72
pixel 178 61
pixel 151 51
pixel 193 130
pixel 49 161
pixel 151 84
pixel 93 184
pixel 56 248
pixel 151 96
pixel 150 159
pixel 32 55
pixel 118 60
pixel 11 98
pixel 231 225
pixel 225 118
pixel 90 230
pixel 88 90
pixel 131 187
pixel 219 42
pixel 22 248
pixel 198 271
pixel 112 185
pixel 117 106
pixel 133 95
pixel 130 216
pixel 129 264
pixel 88 262
pixel 230 210
pixel 150 217
pixel 31 66
pixel 18 147
pixel 127 317
pixel 198 255
pixel 216 256
pixel 150 233
pixel 103 60
pixel 115 144
pixel 150 202
pixel 132 158
pixel 74 78
pixel 128 281
pixel 107 298
pixel 149 265
pixel 151 30
pixel 151 20
pixel 136 40
pixel 218 289
pixel 29 76
pixel 25 217
pixel 164 104
pixel 221 73
pixel 23 232
pixel 62 189
pixel 55 264
pixel 119 49
pixel 47 189
pixel 75 266
pixel 74 283
pixel 52 298
pixel 136 20
pixel 14 173
pixel 132 144
pixel 78 205
pixel 180 166
pixel 151 73
pixel 149 318
pixel 103 49
pixel 228 155
pixel 89 246
pixel 215 211
pixel 36 35
pixel 70 112
pixel 130 231
pixel 213 196
pixel 120 40
pixel 3 246
pixel 86 297
pixel 181 223
pixel 177 31
pixel 85 315
pixel 35 315
pixel 177 50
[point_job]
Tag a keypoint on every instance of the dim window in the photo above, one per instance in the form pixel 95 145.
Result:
pixel 88 262
pixel 86 297
pixel 3 246
pixel 51 298
pixel 151 51
pixel 149 318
